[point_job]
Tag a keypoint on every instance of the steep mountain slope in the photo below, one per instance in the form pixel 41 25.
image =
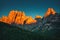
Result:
pixel 52 22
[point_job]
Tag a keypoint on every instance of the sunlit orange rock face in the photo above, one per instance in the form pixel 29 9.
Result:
pixel 4 19
pixel 11 16
pixel 38 16
pixel 30 20
pixel 17 17
pixel 49 11
pixel 20 18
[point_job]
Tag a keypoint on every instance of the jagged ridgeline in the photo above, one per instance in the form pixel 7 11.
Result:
pixel 18 26
pixel 17 17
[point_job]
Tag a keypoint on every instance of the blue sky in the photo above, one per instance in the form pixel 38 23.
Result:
pixel 30 7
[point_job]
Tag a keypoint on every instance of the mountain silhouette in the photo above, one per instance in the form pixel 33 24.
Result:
pixel 18 26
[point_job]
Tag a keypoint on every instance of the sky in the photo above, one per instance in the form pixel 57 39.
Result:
pixel 30 7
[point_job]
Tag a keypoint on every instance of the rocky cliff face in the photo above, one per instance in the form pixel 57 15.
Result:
pixel 49 12
pixel 17 17
pixel 50 20
pixel 30 20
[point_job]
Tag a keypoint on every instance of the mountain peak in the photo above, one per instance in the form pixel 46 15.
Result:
pixel 17 17
pixel 49 11
pixel 38 16
pixel 30 20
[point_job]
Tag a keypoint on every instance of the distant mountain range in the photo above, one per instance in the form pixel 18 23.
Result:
pixel 47 26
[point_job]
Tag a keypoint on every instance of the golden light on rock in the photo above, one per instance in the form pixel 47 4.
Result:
pixel 17 17
pixel 38 16
pixel 4 19
pixel 30 20
pixel 49 11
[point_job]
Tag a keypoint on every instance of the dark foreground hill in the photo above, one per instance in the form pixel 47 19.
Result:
pixel 8 32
